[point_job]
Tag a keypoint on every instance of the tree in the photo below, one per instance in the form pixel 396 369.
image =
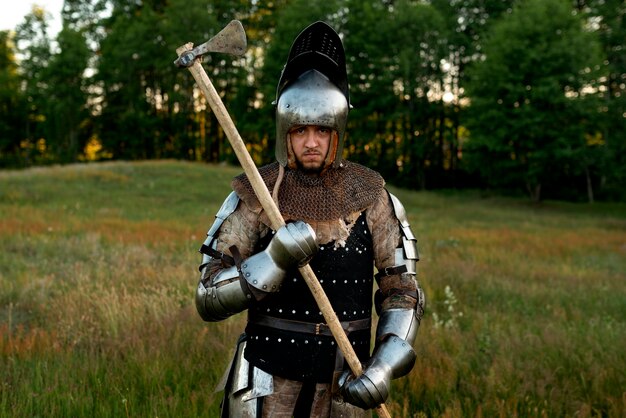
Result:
pixel 606 18
pixel 34 47
pixel 12 105
pixel 150 108
pixel 141 92
pixel 395 75
pixel 466 22
pixel 66 105
pixel 527 96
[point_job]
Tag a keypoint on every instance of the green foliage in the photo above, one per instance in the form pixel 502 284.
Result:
pixel 526 307
pixel 527 92
pixel 132 67
pixel 33 44
pixel 607 18
pixel 394 123
pixel 105 87
pixel 12 103
pixel 66 109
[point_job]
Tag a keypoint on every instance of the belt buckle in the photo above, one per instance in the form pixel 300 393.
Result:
pixel 318 327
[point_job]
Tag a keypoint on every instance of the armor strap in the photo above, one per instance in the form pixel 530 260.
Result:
pixel 236 256
pixel 205 249
pixel 237 259
pixel 390 271
pixel 307 327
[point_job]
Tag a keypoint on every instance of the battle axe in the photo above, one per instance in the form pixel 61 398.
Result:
pixel 232 40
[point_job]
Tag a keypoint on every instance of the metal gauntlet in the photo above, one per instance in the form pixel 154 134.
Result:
pixel 292 246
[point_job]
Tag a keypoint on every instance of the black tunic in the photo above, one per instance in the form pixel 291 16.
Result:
pixel 346 275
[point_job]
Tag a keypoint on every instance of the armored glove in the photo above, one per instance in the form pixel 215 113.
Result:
pixel 298 240
pixel 394 358
pixel 292 246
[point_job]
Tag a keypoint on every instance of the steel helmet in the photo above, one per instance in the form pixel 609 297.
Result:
pixel 313 90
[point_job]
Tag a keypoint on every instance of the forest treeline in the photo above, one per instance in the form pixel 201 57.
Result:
pixel 516 96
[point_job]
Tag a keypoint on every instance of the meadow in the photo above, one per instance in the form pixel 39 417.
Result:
pixel 526 303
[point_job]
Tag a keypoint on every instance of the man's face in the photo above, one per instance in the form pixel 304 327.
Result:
pixel 310 145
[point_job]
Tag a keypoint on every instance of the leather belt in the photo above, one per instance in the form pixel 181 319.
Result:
pixel 307 327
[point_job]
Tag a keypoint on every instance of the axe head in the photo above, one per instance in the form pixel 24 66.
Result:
pixel 230 40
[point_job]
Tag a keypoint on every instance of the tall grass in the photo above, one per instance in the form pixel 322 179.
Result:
pixel 526 312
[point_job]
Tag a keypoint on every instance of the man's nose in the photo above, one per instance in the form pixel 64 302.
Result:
pixel 310 139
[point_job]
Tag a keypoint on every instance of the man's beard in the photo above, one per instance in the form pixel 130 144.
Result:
pixel 310 170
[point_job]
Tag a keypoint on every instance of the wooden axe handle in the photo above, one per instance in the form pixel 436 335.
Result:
pixel 270 207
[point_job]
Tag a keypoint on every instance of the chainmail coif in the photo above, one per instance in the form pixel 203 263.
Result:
pixel 337 193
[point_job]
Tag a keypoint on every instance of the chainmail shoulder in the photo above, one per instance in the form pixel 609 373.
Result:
pixel 336 194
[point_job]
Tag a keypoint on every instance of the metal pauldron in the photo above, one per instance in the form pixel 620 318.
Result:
pixel 213 302
pixel 228 207
pixel 404 322
pixel 409 254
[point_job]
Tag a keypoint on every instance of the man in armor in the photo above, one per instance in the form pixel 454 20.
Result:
pixel 340 219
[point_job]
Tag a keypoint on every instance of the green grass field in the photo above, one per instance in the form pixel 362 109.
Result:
pixel 526 312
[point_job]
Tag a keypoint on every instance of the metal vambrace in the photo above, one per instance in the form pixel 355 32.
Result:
pixel 403 323
pixel 393 358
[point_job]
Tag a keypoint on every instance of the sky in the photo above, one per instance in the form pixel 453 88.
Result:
pixel 12 12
